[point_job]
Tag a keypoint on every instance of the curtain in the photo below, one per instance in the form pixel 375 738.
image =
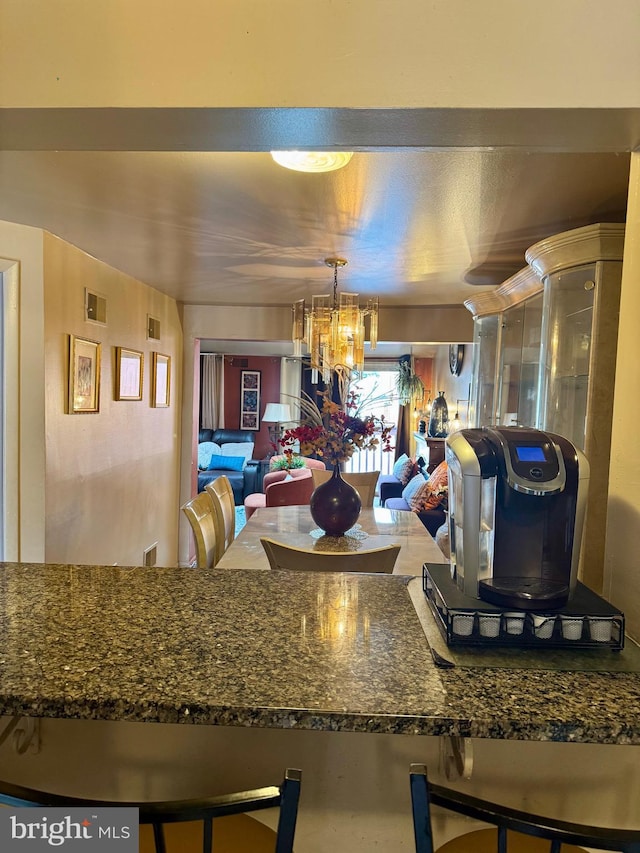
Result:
pixel 290 385
pixel 403 432
pixel 403 435
pixel 211 391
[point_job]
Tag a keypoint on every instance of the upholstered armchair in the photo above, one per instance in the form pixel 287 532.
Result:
pixel 282 488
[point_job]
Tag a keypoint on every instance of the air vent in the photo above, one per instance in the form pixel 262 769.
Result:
pixel 95 307
pixel 240 362
pixel 153 328
pixel 150 556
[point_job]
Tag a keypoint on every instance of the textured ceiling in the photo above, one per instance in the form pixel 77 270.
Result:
pixel 417 227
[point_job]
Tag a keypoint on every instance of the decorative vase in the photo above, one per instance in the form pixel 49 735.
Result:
pixel 439 420
pixel 335 505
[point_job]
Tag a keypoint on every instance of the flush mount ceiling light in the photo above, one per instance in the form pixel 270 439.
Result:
pixel 333 330
pixel 312 161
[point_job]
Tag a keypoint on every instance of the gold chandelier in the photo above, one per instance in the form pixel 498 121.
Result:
pixel 334 330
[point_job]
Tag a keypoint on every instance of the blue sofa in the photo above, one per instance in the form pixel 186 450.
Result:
pixel 390 491
pixel 243 482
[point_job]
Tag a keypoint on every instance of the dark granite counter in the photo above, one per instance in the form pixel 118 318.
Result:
pixel 271 649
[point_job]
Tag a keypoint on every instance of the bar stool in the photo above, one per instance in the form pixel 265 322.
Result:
pixel 516 831
pixel 189 826
pixel 221 494
pixel 200 512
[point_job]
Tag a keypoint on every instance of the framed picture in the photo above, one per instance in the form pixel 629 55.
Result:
pixel 84 376
pixel 250 399
pixel 160 380
pixel 129 365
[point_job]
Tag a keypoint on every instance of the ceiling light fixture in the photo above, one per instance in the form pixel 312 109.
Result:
pixel 312 161
pixel 334 330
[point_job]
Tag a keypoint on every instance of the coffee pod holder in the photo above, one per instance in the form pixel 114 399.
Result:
pixel 588 621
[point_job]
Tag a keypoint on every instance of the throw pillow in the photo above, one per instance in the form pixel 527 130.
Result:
pixel 238 448
pixel 219 462
pixel 408 470
pixel 397 465
pixel 433 492
pixel 205 450
pixel 412 487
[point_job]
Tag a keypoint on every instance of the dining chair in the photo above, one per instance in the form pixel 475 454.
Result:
pixel 188 826
pixel 281 488
pixel 378 560
pixel 224 509
pixel 364 482
pixel 200 512
pixel 515 831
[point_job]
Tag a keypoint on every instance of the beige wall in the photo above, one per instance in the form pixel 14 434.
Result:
pixel 111 479
pixel 364 53
pixel 24 379
pixel 622 571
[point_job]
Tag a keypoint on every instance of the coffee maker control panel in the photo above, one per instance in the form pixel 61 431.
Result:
pixel 534 464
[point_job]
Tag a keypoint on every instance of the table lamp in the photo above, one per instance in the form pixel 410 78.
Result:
pixel 274 415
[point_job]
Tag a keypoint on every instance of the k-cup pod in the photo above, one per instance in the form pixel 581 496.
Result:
pixel 489 624
pixel 543 626
pixel 600 628
pixel 513 622
pixel 463 624
pixel 571 627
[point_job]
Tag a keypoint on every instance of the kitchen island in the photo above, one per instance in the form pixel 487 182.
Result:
pixel 286 650
pixel 163 683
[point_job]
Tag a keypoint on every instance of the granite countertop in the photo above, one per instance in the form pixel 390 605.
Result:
pixel 272 649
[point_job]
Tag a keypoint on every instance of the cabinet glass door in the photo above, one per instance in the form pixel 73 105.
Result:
pixel 530 365
pixel 568 319
pixel 483 380
pixel 510 364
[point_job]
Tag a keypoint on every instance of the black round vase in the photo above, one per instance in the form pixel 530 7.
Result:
pixel 335 505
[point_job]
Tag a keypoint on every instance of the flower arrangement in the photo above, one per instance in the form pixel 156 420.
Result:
pixel 332 432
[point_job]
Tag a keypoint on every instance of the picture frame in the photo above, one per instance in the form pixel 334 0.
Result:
pixel 160 380
pixel 250 399
pixel 84 376
pixel 129 372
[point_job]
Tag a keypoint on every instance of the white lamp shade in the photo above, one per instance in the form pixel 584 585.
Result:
pixel 277 413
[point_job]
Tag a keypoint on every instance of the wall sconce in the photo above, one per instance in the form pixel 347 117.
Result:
pixel 457 423
pixel 274 415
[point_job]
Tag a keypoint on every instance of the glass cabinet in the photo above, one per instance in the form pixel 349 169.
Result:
pixel 483 378
pixel 564 379
pixel 545 356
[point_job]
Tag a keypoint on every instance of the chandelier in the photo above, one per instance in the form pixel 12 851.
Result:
pixel 334 330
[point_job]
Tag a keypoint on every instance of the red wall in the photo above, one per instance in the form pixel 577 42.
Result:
pixel 269 393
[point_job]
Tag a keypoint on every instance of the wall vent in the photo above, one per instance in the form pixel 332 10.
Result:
pixel 95 307
pixel 150 555
pixel 153 328
pixel 240 362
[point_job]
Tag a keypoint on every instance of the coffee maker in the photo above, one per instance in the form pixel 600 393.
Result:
pixel 517 499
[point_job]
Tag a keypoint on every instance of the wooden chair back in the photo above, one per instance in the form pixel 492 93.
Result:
pixel 200 512
pixel 188 825
pixel 224 509
pixel 377 560
pixel 364 481
pixel 515 831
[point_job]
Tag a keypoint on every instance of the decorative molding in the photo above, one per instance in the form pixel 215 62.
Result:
pixel 523 285
pixel 603 241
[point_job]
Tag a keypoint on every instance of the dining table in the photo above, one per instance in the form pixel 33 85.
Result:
pixel 377 527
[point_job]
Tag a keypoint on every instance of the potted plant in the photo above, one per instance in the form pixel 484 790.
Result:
pixel 408 384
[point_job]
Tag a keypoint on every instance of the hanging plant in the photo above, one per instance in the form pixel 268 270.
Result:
pixel 408 384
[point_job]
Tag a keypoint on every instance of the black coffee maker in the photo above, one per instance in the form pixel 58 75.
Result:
pixel 517 499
